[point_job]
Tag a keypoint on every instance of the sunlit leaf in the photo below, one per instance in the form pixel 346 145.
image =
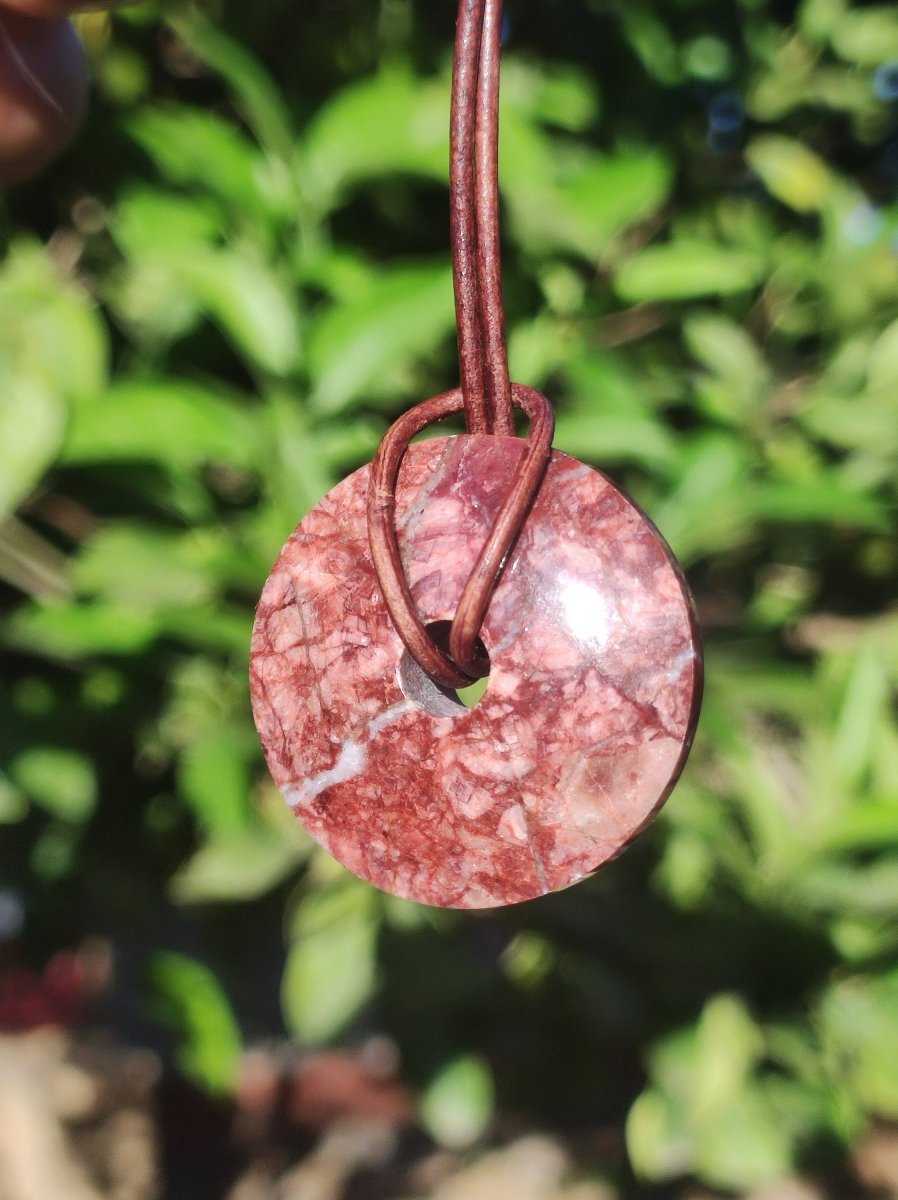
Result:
pixel 859 1021
pixel 251 303
pixel 32 421
pixel 582 203
pixel 152 223
pixel 235 868
pixel 51 336
pixel 71 631
pixel 257 95
pixel 214 780
pixel 13 805
pixel 868 36
pixel 385 125
pixel 195 147
pixel 356 348
pixel 684 270
pixel 188 996
pixel 457 1106
pixel 707 1111
pixel 60 781
pixel 791 172
pixel 330 969
pixel 142 568
pixel 174 423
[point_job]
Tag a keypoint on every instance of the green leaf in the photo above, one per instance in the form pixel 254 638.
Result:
pixel 882 368
pixel 652 42
pixel 198 148
pixel 818 502
pixel 177 424
pixel 152 304
pixel 175 239
pixel 818 18
pixel 598 198
pixel 740 374
pixel 385 125
pixel 13 805
pixel 142 568
pixel 213 778
pixel 658 1143
pixel 859 1023
pixel 330 968
pixel 149 223
pixel 686 270
pixel 580 201
pixel 60 781
pixel 615 439
pixel 187 996
pixel 225 629
pixel 31 429
pixel 234 868
pixel 457 1106
pixel 790 172
pixel 747 1146
pixel 357 349
pixel 71 631
pixel 551 92
pixel 868 36
pixel 248 299
pixel 873 826
pixel 706 1111
pixel 841 890
pixel 862 715
pixel 869 426
pixel 50 333
pixel 53 856
pixel 710 507
pixel 257 95
pixel 538 349
pixel 727 1046
pixel 298 475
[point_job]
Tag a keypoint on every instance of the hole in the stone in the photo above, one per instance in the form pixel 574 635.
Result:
pixel 439 701
pixel 471 695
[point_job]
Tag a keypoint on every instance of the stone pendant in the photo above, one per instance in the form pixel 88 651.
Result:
pixel 591 703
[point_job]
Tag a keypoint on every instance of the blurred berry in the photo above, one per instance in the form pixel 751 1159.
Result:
pixel 885 82
pixel 726 113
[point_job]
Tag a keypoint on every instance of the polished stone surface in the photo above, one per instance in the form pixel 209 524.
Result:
pixel 587 720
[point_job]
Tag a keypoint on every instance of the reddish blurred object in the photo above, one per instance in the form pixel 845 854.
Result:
pixel 30 1001
pixel 43 89
pixel 314 1091
pixel 60 996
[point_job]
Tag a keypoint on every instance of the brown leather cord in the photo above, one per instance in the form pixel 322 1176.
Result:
pixel 474 200
pixel 464 665
pixel 463 212
pixel 492 309
pixel 486 396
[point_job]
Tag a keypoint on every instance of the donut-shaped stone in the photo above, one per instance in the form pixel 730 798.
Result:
pixel 591 703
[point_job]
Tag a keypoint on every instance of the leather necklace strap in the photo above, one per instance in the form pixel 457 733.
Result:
pixel 486 396
pixel 474 199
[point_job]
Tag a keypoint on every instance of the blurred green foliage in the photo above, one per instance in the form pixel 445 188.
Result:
pixel 212 308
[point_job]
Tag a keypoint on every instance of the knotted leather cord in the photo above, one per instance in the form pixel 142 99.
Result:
pixel 486 396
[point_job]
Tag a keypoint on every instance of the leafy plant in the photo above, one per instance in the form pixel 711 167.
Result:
pixel 210 314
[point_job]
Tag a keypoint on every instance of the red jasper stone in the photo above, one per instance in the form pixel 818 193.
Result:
pixel 588 716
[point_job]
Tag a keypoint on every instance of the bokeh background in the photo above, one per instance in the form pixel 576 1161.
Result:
pixel 210 310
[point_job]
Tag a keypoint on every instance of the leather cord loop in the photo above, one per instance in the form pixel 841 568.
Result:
pixel 463 666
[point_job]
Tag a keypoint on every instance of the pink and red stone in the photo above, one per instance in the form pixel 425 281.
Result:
pixel 586 723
